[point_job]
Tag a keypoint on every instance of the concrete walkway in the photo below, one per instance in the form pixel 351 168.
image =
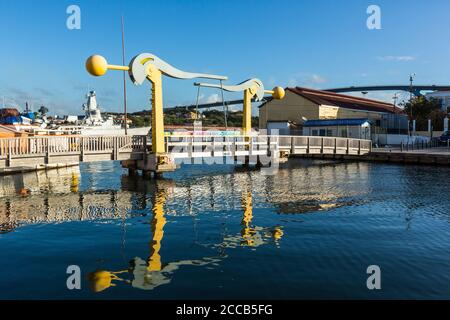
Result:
pixel 432 151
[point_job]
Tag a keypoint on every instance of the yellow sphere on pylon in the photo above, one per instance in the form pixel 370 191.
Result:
pixel 96 65
pixel 278 93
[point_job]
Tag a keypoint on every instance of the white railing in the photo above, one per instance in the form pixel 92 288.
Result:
pixel 29 146
pixel 189 145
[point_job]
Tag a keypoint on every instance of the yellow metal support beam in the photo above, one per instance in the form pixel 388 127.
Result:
pixel 247 113
pixel 155 77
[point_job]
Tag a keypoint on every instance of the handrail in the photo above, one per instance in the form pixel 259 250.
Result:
pixel 77 144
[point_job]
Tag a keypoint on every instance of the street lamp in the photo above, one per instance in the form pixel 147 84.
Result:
pixel 411 80
pixel 395 98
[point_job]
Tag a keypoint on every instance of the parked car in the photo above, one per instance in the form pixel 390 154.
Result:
pixel 445 136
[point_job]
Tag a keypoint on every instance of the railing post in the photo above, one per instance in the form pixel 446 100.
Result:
pixel 359 147
pixel 115 148
pixel 348 146
pixel 47 151
pixel 144 143
pixel 307 145
pixel 9 153
pixel 321 145
pixel 81 149
pixel 190 146
pixel 292 145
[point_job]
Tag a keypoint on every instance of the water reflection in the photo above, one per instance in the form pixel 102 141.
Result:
pixel 212 225
pixel 53 196
pixel 147 274
pixel 251 235
pixel 57 196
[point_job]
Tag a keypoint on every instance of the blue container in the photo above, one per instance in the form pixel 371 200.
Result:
pixel 11 120
pixel 29 115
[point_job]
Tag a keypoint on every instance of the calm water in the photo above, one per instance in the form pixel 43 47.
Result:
pixel 310 231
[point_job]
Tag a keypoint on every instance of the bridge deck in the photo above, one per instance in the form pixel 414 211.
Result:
pixel 38 151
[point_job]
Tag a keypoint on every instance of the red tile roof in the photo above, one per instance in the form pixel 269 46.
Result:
pixel 345 101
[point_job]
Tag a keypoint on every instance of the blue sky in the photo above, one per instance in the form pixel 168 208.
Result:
pixel 318 44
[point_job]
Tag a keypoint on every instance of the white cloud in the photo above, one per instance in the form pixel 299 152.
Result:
pixel 292 82
pixel 317 79
pixel 212 98
pixel 397 58
pixel 310 80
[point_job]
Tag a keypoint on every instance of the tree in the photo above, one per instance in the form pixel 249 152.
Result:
pixel 43 110
pixel 423 109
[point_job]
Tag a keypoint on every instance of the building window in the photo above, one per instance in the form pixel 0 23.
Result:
pixel 314 132
pixel 322 132
pixel 329 133
pixel 344 132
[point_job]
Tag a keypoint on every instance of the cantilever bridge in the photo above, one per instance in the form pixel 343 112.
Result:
pixel 134 151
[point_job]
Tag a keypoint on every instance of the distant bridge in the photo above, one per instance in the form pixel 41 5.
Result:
pixel 416 90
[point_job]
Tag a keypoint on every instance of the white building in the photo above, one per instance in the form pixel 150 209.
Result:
pixel 443 96
pixel 348 128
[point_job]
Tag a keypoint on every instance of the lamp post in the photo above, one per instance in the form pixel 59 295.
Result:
pixel 411 80
pixel 395 97
pixel 125 115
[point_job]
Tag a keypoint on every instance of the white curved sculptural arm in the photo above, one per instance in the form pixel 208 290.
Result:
pixel 138 69
pixel 247 84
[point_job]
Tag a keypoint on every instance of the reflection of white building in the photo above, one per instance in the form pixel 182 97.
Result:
pixel 443 97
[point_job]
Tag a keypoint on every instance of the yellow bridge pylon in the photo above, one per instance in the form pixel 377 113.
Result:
pixel 148 66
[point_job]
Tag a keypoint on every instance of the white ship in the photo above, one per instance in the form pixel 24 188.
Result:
pixel 93 123
pixel 93 116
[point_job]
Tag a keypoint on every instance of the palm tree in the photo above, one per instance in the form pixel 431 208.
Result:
pixel 43 111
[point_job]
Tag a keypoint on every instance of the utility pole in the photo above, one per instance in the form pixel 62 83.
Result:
pixel 125 118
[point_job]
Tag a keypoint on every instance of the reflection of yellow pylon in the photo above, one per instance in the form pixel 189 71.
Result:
pixel 101 280
pixel 277 233
pixel 74 183
pixel 247 232
pixel 251 235
pixel 158 222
